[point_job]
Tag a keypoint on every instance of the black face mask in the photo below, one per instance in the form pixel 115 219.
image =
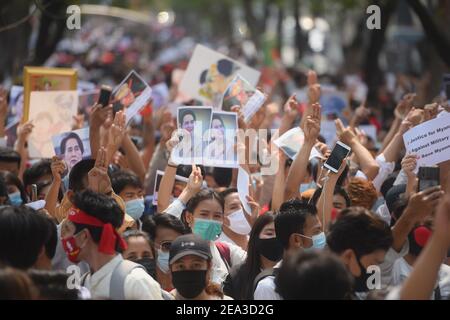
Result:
pixel 361 281
pixel 270 248
pixel 149 264
pixel 189 284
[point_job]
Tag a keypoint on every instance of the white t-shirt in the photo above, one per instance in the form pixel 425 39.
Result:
pixel 402 270
pixel 219 268
pixel 265 290
pixel 139 285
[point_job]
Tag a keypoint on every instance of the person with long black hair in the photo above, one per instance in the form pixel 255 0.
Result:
pixel 263 253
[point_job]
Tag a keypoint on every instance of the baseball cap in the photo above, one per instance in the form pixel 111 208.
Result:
pixel 189 244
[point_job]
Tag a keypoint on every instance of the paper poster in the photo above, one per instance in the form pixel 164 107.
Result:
pixel 131 95
pixel 72 147
pixel 193 127
pixel 209 73
pixel 52 113
pixel 243 182
pixel 220 148
pixel 241 93
pixel 430 141
pixel 292 141
pixel 178 186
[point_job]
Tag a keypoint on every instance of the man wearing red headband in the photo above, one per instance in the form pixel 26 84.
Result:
pixel 89 234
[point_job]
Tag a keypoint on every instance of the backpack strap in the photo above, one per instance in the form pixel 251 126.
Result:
pixel 225 253
pixel 264 274
pixel 117 284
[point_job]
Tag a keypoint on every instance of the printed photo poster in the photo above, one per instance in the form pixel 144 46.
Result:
pixel 292 141
pixel 220 148
pixel 209 73
pixel 52 114
pixel 178 186
pixel 241 93
pixel 131 95
pixel 72 147
pixel 193 125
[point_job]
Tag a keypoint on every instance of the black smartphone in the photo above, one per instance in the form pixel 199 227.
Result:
pixel 339 153
pixel 428 177
pixel 105 94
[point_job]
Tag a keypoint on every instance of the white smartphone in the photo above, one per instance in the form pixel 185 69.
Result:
pixel 339 153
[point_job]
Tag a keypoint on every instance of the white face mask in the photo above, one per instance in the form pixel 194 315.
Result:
pixel 238 222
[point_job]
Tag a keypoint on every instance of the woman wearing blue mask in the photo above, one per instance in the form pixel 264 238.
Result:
pixel 163 230
pixel 16 191
pixel 204 215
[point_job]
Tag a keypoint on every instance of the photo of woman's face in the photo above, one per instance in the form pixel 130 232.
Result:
pixel 218 128
pixel 188 123
pixel 72 153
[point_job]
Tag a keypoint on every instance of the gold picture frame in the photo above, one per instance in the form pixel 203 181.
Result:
pixel 46 79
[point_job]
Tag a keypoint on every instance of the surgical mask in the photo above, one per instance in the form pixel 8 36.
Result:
pixel 15 198
pixel 163 261
pixel 149 265
pixel 135 208
pixel 207 229
pixel 307 186
pixel 319 241
pixel 238 222
pixel 189 283
pixel 271 249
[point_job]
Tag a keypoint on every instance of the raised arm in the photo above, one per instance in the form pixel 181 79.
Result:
pixel 289 115
pixel 420 283
pixel 51 199
pixel 420 205
pixel 280 180
pixel 367 163
pixel 299 167
pixel 98 117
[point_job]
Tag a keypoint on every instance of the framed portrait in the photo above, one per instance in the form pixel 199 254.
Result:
pixel 46 79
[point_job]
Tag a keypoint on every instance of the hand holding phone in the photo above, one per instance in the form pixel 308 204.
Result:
pixel 105 95
pixel 428 177
pixel 338 154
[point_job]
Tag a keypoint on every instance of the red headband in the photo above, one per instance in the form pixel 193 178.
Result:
pixel 109 235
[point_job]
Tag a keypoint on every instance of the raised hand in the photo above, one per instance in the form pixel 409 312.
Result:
pixel 195 180
pixel 409 163
pixel 58 167
pixel 241 120
pixel 430 111
pixel 313 88
pixel 346 135
pixel 114 134
pixel 312 124
pixel 24 131
pixel 404 106
pixel 99 115
pixel 98 179
pixel 291 108
pixel 255 207
pixel 78 121
pixel 423 203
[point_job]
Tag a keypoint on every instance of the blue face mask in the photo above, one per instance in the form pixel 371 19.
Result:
pixel 163 261
pixel 319 241
pixel 135 208
pixel 207 229
pixel 15 198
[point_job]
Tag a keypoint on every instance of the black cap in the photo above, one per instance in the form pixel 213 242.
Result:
pixel 189 244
